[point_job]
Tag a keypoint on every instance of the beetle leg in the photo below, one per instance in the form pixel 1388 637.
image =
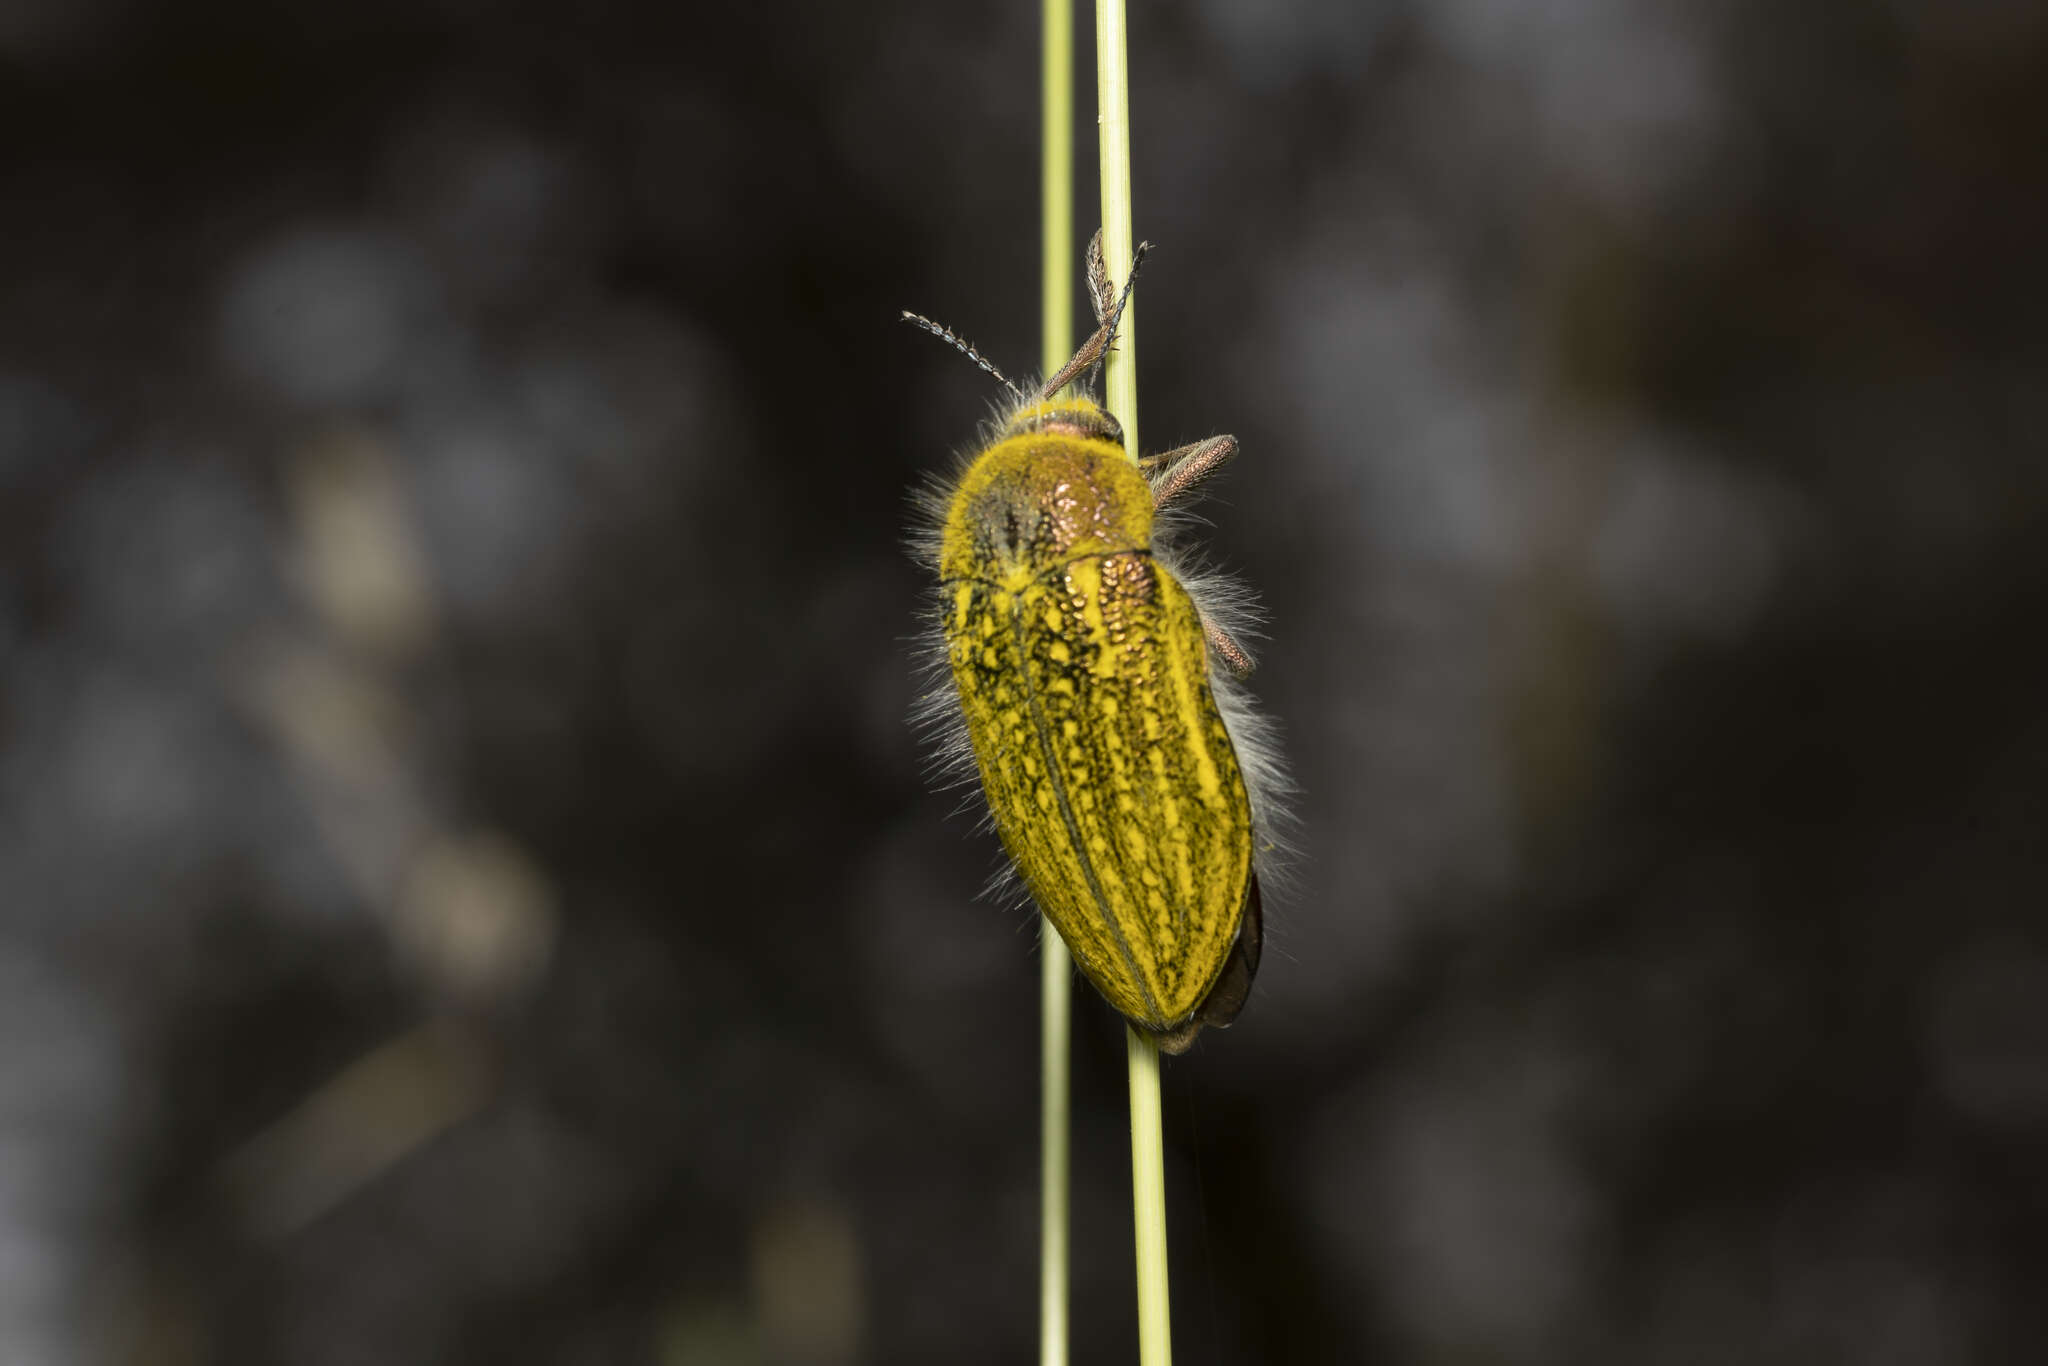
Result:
pixel 1097 346
pixel 1099 290
pixel 1179 470
pixel 1090 352
pixel 1233 655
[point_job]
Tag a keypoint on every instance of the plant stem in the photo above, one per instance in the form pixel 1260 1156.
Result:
pixel 1148 1203
pixel 1055 966
pixel 1113 116
pixel 1056 184
pixel 1055 995
pixel 1148 1156
pixel 1148 1160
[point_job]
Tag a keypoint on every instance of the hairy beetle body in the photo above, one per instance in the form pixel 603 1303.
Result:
pixel 1090 684
pixel 1083 677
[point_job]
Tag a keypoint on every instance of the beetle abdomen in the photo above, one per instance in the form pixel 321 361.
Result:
pixel 1111 776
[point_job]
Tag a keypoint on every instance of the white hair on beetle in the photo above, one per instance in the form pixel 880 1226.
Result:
pixel 935 713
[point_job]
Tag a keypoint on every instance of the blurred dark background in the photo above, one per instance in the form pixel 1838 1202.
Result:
pixel 467 888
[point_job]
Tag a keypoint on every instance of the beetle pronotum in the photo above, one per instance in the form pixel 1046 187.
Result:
pixel 1090 676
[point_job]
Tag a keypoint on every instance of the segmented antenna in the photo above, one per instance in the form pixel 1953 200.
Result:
pixel 965 347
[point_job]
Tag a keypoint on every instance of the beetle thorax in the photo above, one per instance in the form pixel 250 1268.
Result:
pixel 1037 500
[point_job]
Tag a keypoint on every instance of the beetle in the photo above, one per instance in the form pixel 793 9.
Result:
pixel 1089 674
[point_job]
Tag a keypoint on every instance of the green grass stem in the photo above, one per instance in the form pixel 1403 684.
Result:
pixel 1056 983
pixel 1148 1202
pixel 1148 1154
pixel 1113 118
pixel 1055 1024
pixel 1056 184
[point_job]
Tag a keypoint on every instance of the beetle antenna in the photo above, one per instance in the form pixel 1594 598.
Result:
pixel 965 347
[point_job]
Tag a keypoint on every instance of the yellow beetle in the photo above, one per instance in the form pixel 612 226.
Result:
pixel 1132 785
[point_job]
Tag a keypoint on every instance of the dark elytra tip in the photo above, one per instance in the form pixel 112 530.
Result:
pixel 1233 985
